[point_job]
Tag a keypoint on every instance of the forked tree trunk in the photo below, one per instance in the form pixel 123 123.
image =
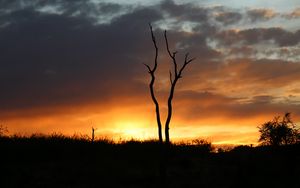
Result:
pixel 173 80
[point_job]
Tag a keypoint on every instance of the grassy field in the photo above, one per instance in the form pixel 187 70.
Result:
pixel 60 161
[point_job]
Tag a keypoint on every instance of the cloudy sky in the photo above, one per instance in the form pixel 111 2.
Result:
pixel 69 65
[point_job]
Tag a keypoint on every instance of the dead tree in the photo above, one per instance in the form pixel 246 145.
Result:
pixel 175 75
pixel 93 134
pixel 151 86
pixel 173 81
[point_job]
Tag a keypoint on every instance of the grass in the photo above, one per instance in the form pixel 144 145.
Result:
pixel 74 161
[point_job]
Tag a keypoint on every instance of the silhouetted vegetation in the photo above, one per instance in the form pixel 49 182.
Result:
pixel 279 131
pixel 61 161
pixel 3 130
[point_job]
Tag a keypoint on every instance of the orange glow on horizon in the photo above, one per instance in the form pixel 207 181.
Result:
pixel 134 123
pixel 135 119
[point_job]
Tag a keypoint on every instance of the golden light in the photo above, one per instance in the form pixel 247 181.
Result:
pixel 140 123
pixel 134 129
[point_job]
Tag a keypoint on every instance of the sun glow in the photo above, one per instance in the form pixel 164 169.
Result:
pixel 126 124
pixel 134 129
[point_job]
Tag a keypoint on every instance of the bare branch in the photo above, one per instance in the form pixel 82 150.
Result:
pixel 148 67
pixel 190 60
pixel 171 80
pixel 186 57
pixel 152 36
pixel 167 43
pixel 172 55
pixel 186 60
pixel 155 46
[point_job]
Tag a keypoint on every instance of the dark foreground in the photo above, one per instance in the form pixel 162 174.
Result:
pixel 64 162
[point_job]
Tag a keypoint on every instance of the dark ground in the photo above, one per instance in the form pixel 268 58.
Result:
pixel 64 162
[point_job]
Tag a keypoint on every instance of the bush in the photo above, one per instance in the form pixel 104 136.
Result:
pixel 279 132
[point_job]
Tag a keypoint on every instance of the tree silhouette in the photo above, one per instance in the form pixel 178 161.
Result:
pixel 151 86
pixel 3 130
pixel 175 75
pixel 279 132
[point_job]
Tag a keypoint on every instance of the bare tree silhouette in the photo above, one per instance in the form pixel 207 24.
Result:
pixel 175 75
pixel 151 86
pixel 173 80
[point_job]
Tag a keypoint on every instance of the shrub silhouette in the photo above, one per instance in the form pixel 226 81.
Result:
pixel 279 131
pixel 3 130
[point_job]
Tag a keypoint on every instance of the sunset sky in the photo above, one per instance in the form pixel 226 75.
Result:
pixel 67 66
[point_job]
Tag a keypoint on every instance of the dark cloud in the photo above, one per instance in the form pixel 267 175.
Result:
pixel 61 60
pixel 206 105
pixel 185 12
pixel 254 36
pixel 49 59
pixel 261 14
pixel 195 44
pixel 262 99
pixel 242 51
pixel 243 79
pixel 98 12
pixel 274 72
pixel 262 73
pixel 228 18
